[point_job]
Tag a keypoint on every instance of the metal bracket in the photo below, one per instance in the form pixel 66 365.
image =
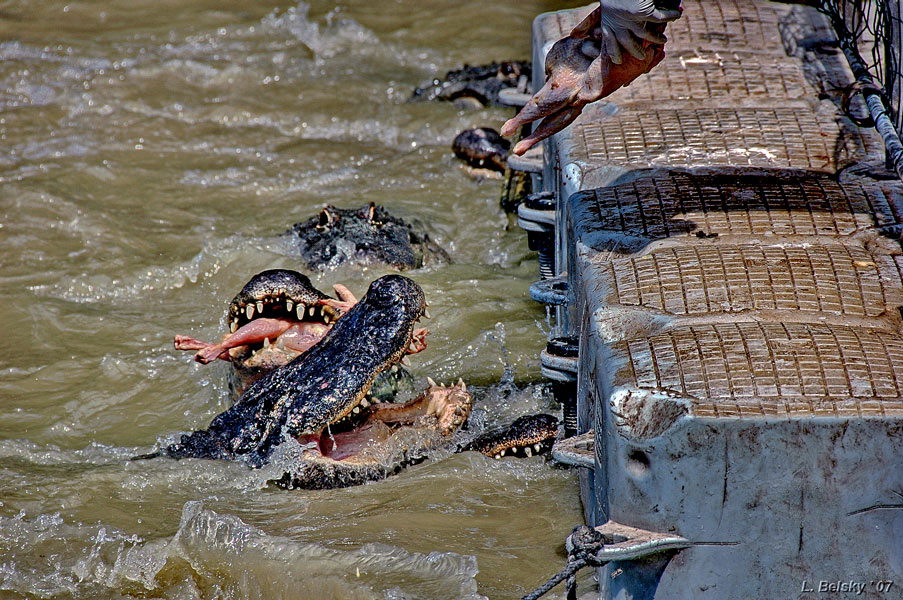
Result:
pixel 513 97
pixel 530 162
pixel 558 368
pixel 632 543
pixel 535 215
pixel 577 451
pixel 553 291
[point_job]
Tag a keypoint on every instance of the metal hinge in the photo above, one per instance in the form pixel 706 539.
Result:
pixel 552 291
pixel 630 543
pixel 530 162
pixel 577 451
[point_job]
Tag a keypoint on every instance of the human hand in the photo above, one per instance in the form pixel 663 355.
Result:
pixel 625 25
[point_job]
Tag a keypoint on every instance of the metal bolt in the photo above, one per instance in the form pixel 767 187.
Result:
pixel 566 392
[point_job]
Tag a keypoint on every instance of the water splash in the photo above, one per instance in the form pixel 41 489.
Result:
pixel 48 557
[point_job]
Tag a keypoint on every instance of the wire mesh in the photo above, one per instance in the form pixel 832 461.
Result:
pixel 875 30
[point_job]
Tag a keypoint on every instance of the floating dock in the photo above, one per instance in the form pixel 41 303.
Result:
pixel 727 283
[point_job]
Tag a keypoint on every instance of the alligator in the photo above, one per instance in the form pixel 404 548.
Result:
pixel 477 86
pixel 482 148
pixel 312 416
pixel 364 236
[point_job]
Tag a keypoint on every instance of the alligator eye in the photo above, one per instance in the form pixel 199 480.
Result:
pixel 371 216
pixel 389 290
pixel 325 219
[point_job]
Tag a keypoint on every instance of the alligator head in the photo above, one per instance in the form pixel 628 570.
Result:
pixel 275 317
pixel 478 85
pixel 482 148
pixel 324 390
pixel 526 436
pixel 365 236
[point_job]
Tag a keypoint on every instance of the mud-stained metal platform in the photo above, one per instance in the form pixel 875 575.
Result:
pixel 728 256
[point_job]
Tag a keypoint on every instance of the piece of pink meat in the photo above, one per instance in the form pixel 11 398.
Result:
pixel 294 335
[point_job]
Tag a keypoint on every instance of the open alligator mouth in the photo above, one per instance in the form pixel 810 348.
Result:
pixel 527 436
pixel 275 317
pixel 281 294
pixel 323 385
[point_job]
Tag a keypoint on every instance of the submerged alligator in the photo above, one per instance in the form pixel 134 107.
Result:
pixel 482 148
pixel 364 236
pixel 477 86
pixel 311 418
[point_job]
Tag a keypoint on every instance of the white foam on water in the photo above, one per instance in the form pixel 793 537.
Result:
pixel 47 556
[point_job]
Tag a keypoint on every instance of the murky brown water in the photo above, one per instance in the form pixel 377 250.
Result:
pixel 151 156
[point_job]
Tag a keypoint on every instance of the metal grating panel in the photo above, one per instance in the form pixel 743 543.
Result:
pixel 750 25
pixel 737 202
pixel 553 26
pixel 789 135
pixel 757 370
pixel 695 75
pixel 711 280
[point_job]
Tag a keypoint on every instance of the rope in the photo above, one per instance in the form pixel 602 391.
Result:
pixel 586 542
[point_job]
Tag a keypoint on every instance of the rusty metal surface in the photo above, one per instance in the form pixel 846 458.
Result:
pixel 770 369
pixel 789 135
pixel 750 25
pixel 720 202
pixel 695 75
pixel 707 279
pixel 727 94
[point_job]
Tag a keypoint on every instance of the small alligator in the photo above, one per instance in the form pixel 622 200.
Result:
pixel 319 400
pixel 482 148
pixel 477 86
pixel 364 236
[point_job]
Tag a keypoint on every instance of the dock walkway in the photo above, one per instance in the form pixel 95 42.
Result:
pixel 730 247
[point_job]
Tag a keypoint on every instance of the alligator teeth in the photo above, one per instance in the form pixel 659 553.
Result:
pixel 249 311
pixel 260 307
pixel 311 310
pixel 426 313
pixel 430 381
pixel 299 311
pixel 289 306
pixel 461 385
pixel 405 361
pixel 364 403
pixel 528 452
pixel 395 368
pixel 498 456
pixel 412 348
pixel 266 342
pixel 356 409
pixel 233 326
pixel 537 447
pixel 502 453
